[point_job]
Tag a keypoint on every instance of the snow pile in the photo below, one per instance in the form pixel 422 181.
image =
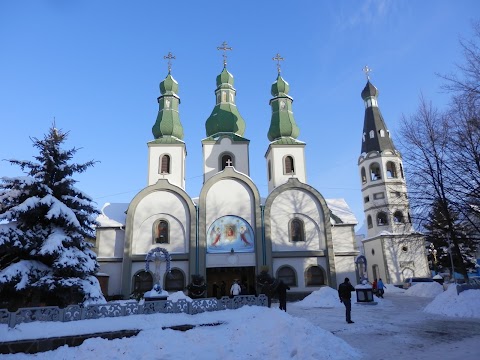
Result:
pixel 324 297
pixel 429 289
pixel 465 305
pixel 392 289
pixel 179 295
pixel 251 332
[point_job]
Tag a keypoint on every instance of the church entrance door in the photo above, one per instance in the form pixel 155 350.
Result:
pixel 243 274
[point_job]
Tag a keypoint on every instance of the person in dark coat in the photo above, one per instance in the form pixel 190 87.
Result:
pixel 345 294
pixel 282 295
pixel 223 288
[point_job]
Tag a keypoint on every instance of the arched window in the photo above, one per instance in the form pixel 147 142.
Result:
pixel 288 167
pixel 391 170
pixel 372 134
pixel 369 222
pixel 287 275
pixel 398 217
pixel 226 160
pixel 382 219
pixel 175 280
pixel 269 170
pixel 401 171
pixel 381 132
pixel 364 176
pixel 161 232
pixel 314 276
pixel 164 167
pixel 375 173
pixel 297 230
pixel 142 282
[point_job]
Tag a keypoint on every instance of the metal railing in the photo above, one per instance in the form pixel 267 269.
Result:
pixel 116 309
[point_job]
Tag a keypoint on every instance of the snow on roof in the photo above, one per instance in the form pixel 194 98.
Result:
pixel 113 215
pixel 339 208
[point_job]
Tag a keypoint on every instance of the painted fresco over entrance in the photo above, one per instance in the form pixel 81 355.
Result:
pixel 230 232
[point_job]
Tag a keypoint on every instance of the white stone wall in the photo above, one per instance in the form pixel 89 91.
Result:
pixel 276 156
pixel 343 238
pixel 230 197
pixel 212 152
pixel 388 186
pixel 230 260
pixel 303 205
pixel 177 155
pixel 161 205
pixel 110 242
pixel 345 267
pixel 114 270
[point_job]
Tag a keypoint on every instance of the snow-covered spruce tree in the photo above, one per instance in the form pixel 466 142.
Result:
pixel 44 223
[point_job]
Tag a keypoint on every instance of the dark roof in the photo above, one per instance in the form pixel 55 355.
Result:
pixel 374 121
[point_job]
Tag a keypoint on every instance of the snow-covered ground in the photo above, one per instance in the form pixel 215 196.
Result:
pixel 419 323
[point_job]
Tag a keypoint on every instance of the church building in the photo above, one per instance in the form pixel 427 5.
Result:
pixel 393 250
pixel 229 231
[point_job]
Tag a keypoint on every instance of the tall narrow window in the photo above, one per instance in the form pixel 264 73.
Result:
pixel 314 276
pixel 401 171
pixel 297 231
pixel 382 219
pixel 226 160
pixel 164 164
pixel 391 170
pixel 369 222
pixel 161 232
pixel 364 176
pixel 269 170
pixel 375 173
pixel 398 217
pixel 289 167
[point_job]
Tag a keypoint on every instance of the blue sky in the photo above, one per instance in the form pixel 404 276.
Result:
pixel 96 65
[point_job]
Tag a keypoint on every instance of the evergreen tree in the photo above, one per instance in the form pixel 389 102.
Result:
pixel 44 223
pixel 438 234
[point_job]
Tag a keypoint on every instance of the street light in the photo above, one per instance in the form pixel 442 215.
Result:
pixel 451 258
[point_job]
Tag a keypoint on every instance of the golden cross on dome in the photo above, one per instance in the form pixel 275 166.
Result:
pixel 170 57
pixel 278 58
pixel 367 71
pixel 224 48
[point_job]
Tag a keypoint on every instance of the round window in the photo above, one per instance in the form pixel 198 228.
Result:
pixel 404 248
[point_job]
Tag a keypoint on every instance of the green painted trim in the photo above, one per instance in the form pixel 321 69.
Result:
pixel 228 173
pixel 161 185
pixel 217 137
pixel 294 184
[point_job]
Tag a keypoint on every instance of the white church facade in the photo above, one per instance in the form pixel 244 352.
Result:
pixel 229 231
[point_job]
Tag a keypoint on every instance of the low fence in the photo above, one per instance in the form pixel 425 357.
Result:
pixel 114 309
pixel 463 287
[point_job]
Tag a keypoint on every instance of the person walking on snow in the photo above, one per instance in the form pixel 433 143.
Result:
pixel 345 294
pixel 380 288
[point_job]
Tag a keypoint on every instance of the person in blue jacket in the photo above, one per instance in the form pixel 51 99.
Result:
pixel 380 288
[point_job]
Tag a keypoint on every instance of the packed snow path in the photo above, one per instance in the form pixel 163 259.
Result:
pixel 398 328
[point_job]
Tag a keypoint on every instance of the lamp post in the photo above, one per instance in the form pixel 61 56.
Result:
pixel 451 258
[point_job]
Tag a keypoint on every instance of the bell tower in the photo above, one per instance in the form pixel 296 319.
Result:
pixel 384 189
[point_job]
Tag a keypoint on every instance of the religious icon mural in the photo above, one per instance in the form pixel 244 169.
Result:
pixel 230 232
